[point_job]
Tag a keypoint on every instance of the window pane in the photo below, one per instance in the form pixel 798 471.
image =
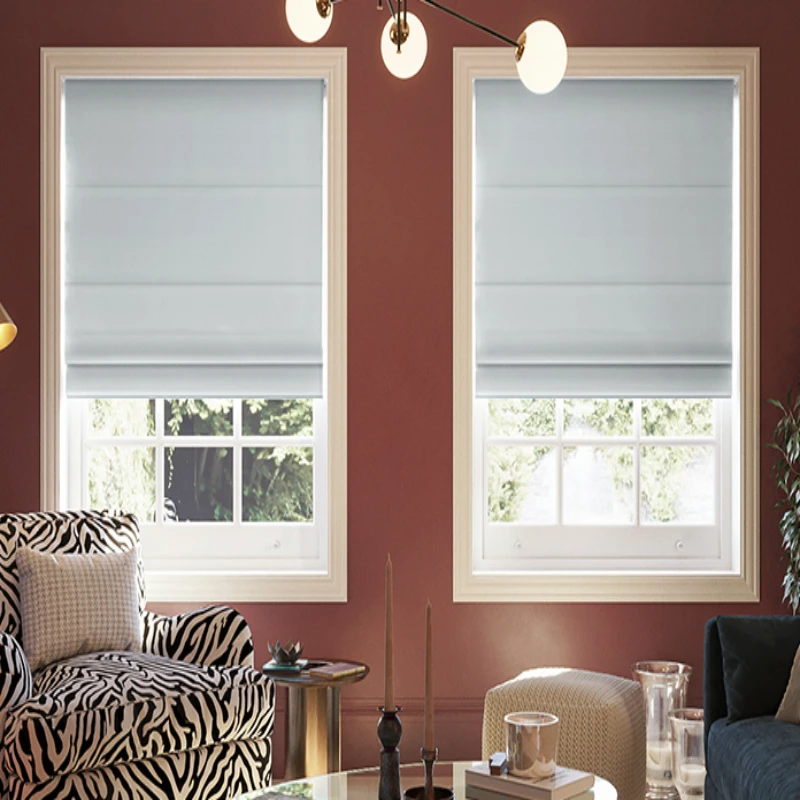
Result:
pixel 123 479
pixel 678 417
pixel 593 418
pixel 678 484
pixel 278 484
pixel 522 417
pixel 198 417
pixel 198 484
pixel 122 417
pixel 278 418
pixel 522 485
pixel 598 485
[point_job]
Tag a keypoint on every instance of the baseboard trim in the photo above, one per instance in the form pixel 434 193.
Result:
pixel 361 706
pixel 449 706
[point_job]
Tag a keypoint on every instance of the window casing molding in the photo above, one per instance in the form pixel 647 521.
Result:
pixel 59 64
pixel 741 583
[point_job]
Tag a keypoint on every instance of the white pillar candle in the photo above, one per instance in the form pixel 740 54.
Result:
pixel 659 762
pixel 692 774
pixel 659 755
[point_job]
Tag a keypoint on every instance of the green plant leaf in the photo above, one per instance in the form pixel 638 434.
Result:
pixel 786 471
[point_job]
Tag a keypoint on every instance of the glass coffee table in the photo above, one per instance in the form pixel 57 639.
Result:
pixel 362 784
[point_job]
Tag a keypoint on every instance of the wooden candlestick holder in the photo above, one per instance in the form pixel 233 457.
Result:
pixel 390 731
pixel 428 791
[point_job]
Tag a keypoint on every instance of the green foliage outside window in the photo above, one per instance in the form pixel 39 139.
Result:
pixel 123 479
pixel 277 482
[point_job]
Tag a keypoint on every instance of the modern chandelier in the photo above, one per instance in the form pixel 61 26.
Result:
pixel 540 51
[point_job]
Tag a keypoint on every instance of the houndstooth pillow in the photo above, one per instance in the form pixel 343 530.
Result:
pixel 58 532
pixel 73 604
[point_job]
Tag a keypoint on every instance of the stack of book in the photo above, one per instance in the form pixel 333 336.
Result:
pixel 336 669
pixel 315 669
pixel 276 669
pixel 565 784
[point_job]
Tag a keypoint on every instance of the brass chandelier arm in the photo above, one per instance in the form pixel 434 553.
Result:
pixel 540 72
pixel 391 6
pixel 484 28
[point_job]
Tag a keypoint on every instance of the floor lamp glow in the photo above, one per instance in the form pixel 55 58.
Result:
pixel 8 330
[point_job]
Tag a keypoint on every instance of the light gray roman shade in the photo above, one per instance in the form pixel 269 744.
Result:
pixel 193 237
pixel 603 238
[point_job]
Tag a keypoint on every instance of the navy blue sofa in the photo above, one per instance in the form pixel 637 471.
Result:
pixel 749 754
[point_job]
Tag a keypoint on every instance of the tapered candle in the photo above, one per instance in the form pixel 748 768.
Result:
pixel 427 741
pixel 388 686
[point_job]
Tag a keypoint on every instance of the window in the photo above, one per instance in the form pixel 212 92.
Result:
pixel 571 483
pixel 194 335
pixel 605 336
pixel 207 468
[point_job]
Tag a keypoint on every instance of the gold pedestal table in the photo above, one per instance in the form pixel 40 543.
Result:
pixel 313 720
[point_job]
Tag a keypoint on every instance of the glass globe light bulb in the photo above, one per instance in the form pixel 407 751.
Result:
pixel 408 62
pixel 305 20
pixel 544 57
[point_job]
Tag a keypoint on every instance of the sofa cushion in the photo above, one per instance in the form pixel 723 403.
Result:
pixel 757 655
pixel 754 759
pixel 105 708
pixel 61 532
pixel 221 772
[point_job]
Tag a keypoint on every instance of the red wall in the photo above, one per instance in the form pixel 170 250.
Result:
pixel 400 180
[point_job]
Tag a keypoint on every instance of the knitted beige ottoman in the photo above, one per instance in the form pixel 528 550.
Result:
pixel 602 721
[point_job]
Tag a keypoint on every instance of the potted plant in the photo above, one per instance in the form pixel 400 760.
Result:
pixel 787 476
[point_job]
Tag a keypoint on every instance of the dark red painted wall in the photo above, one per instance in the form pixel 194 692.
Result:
pixel 400 184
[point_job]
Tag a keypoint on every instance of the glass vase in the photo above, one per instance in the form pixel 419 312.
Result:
pixel 664 685
pixel 688 753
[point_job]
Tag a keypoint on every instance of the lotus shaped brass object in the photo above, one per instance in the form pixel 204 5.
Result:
pixel 285 654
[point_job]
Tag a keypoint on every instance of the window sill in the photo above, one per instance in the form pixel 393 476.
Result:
pixel 257 587
pixel 605 588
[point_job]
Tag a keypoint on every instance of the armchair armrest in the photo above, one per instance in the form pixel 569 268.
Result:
pixel 16 683
pixel 16 686
pixel 216 636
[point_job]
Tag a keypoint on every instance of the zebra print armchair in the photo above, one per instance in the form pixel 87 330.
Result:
pixel 188 717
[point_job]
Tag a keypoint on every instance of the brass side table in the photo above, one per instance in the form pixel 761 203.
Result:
pixel 313 720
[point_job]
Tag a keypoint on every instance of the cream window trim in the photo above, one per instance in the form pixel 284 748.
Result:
pixel 741 583
pixel 58 64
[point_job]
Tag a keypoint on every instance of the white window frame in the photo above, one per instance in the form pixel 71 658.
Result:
pixel 178 571
pixel 475 579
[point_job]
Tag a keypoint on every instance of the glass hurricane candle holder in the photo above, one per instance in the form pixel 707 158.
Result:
pixel 688 752
pixel 664 685
pixel 532 743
